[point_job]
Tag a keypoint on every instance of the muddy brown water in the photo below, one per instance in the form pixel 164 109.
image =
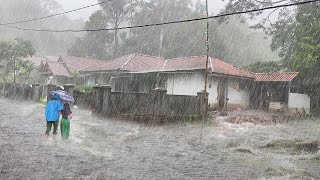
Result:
pixel 115 149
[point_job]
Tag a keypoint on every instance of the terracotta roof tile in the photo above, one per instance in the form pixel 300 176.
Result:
pixel 75 64
pixel 276 77
pixel 185 63
pixel 199 63
pixel 145 63
pixel 57 69
pixel 131 63
pixel 221 67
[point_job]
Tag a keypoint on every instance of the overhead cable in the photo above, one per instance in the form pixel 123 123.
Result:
pixel 166 23
pixel 53 15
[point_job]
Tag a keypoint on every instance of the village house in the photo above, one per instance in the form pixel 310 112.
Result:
pixel 280 91
pixel 179 76
pixel 229 87
pixel 65 70
pixel 113 70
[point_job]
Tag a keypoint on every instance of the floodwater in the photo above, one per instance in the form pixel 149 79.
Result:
pixel 115 149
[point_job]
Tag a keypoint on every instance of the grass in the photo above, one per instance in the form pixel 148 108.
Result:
pixel 43 101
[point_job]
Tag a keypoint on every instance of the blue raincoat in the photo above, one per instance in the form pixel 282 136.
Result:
pixel 52 109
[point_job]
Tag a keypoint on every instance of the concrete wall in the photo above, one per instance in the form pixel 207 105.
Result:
pixel 191 83
pixel 238 94
pixel 158 103
pixel 83 99
pixel 299 102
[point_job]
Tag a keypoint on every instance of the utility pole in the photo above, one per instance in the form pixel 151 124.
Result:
pixel 207 63
pixel 205 97
pixel 14 70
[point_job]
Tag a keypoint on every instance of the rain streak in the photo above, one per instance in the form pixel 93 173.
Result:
pixel 159 89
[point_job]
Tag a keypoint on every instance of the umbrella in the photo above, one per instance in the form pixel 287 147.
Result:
pixel 63 95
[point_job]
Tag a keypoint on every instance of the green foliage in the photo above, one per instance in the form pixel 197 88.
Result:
pixel 11 54
pixel 117 12
pixel 84 88
pixel 232 42
pixel 93 44
pixel 45 42
pixel 265 67
pixel 296 35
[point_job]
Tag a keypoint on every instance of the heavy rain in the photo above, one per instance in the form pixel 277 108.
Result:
pixel 159 89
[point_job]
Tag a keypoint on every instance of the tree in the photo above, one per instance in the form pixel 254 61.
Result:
pixel 296 35
pixel 45 42
pixel 306 46
pixel 117 12
pixel 94 44
pixel 232 42
pixel 11 54
pixel 265 67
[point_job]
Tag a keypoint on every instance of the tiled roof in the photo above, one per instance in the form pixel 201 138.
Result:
pixel 56 69
pixel 220 67
pixel 145 63
pixel 38 59
pixel 75 64
pixel 199 63
pixel 276 77
pixel 131 63
pixel 185 63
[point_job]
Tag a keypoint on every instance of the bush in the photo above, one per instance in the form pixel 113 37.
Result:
pixel 83 88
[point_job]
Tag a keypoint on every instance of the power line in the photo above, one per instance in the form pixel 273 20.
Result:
pixel 57 14
pixel 166 23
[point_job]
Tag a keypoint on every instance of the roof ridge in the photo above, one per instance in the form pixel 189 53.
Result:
pixel 187 57
pixel 278 73
pixel 84 58
pixel 158 57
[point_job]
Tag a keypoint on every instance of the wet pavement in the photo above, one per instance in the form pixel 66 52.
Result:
pixel 116 149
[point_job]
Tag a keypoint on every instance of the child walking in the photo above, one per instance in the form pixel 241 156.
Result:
pixel 65 121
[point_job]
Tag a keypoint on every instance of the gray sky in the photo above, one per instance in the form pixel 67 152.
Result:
pixel 214 6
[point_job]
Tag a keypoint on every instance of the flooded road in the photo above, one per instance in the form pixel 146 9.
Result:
pixel 111 149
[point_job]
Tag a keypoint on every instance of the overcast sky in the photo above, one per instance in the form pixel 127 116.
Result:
pixel 214 6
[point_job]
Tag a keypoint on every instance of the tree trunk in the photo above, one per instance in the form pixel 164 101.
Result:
pixel 116 40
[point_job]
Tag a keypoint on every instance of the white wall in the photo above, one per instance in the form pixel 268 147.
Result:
pixel 236 95
pixel 191 84
pixel 299 101
pixel 184 84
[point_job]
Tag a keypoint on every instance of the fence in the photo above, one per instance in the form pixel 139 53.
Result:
pixel 114 104
pixel 156 104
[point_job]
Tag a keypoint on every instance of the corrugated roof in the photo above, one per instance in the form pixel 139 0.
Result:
pixel 276 77
pixel 131 63
pixel 75 64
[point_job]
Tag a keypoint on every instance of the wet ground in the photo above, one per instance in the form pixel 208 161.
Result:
pixel 115 149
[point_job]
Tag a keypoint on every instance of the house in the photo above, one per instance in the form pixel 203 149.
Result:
pixel 280 91
pixel 66 70
pixel 113 70
pixel 179 76
pixel 228 86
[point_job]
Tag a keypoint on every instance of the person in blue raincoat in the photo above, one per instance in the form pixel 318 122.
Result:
pixel 52 113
